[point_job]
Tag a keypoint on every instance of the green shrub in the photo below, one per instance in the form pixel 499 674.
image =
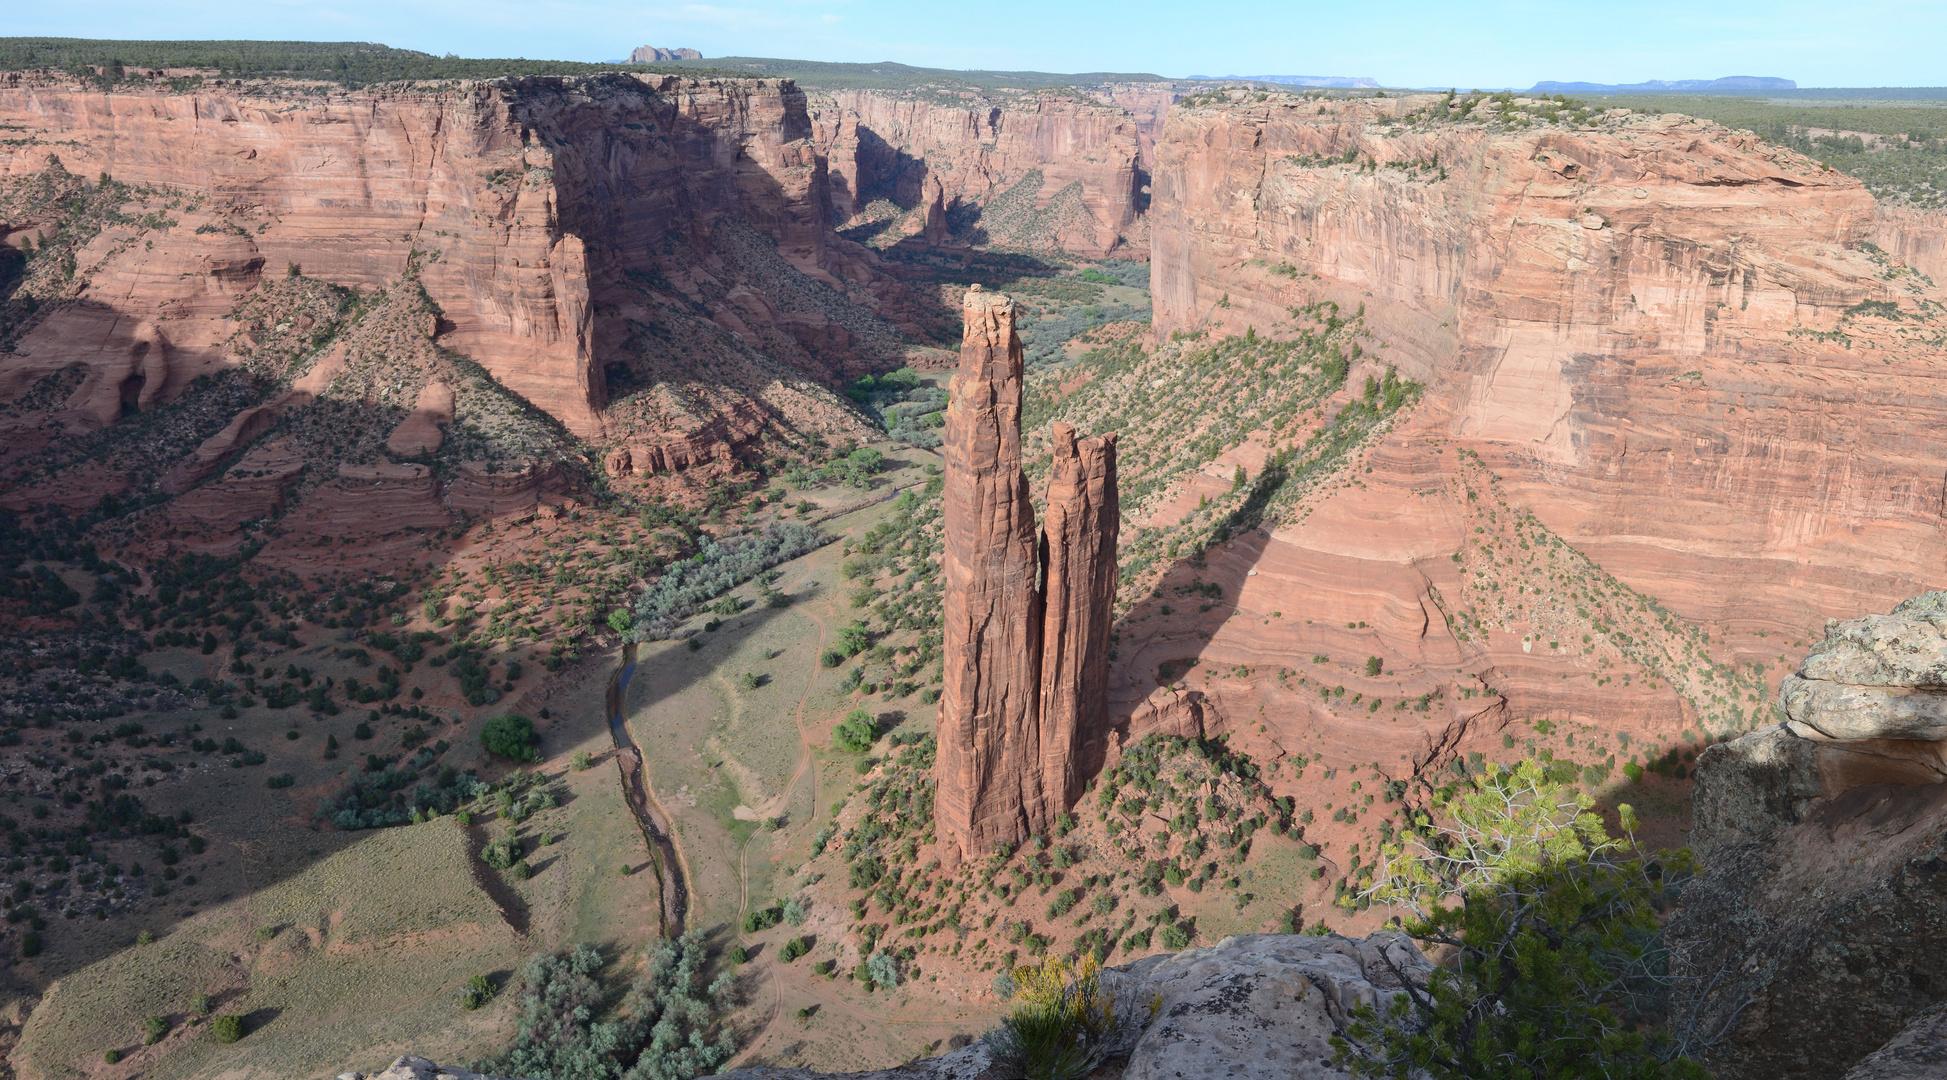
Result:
pixel 579 761
pixel 511 736
pixel 1063 1022
pixel 1374 666
pixel 738 954
pixel 226 1029
pixel 111 1056
pixel 759 919
pixel 501 854
pixel 856 733
pixel 479 990
pixel 281 780
pixel 521 871
pixel 1174 936
pixel 30 944
pixel 796 947
pixel 883 967
pixel 201 1004
pixel 153 1029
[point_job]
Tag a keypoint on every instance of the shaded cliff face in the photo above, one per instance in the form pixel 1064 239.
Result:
pixel 537 212
pixel 1808 939
pixel 1040 171
pixel 645 262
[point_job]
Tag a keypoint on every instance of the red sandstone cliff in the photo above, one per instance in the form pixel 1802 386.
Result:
pixel 1651 333
pixel 534 209
pixel 884 145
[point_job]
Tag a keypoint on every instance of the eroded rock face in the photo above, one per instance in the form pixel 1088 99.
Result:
pixel 1812 935
pixel 990 787
pixel 1025 669
pixel 527 201
pixel 1917 1053
pixel 1079 579
pixel 907 147
pixel 1876 677
pixel 1264 1004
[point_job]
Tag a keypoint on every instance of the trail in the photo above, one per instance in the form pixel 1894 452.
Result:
pixel 671 870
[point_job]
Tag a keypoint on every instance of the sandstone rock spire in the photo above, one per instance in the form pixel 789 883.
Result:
pixel 989 734
pixel 1025 678
pixel 1078 559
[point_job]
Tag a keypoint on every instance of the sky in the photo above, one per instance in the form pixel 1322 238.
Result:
pixel 1461 43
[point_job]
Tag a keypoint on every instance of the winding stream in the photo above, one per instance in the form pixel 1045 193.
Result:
pixel 648 814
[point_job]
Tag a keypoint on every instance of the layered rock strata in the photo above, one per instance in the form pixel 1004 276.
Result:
pixel 990 788
pixel 906 147
pixel 1675 346
pixel 1023 667
pixel 549 219
pixel 1809 939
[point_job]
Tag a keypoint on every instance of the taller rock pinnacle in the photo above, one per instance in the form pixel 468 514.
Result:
pixel 1019 694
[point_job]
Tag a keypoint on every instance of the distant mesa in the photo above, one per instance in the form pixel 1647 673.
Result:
pixel 1658 86
pixel 1340 81
pixel 650 54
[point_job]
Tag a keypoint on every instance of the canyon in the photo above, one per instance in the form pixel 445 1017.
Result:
pixel 1652 343
pixel 1040 171
pixel 1465 426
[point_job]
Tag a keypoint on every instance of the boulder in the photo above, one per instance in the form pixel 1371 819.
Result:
pixel 1264 1005
pixel 1876 677
pixel 409 1067
pixel 1252 1005
pixel 1917 1053
pixel 1807 944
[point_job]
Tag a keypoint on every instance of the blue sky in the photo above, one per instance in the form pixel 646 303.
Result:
pixel 1461 43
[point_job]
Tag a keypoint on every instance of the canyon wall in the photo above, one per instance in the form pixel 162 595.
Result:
pixel 1671 344
pixel 1026 624
pixel 542 215
pixel 1071 162
pixel 1917 238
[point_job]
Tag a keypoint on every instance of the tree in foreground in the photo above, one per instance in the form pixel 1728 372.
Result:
pixel 1554 967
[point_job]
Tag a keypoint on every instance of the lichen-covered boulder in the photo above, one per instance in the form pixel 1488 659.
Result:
pixel 1917 1053
pixel 410 1067
pixel 1264 1004
pixel 1875 677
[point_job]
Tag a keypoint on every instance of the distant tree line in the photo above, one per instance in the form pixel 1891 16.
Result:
pixel 347 63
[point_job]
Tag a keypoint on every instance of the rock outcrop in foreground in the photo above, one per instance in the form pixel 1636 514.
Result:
pixel 409 1067
pixel 1250 1005
pixel 1024 669
pixel 1813 936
